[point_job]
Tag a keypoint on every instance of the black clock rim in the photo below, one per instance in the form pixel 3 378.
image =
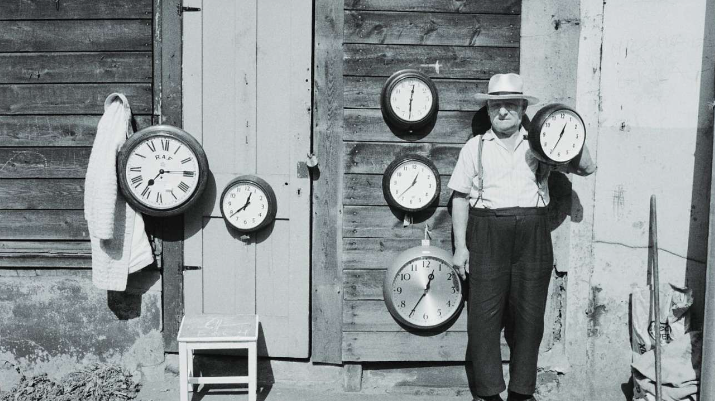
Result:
pixel 169 131
pixel 387 295
pixel 265 187
pixel 535 130
pixel 393 166
pixel 390 116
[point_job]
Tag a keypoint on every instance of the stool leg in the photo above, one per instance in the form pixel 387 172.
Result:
pixel 190 362
pixel 252 367
pixel 183 373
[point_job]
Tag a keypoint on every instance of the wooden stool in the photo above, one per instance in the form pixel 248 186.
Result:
pixel 213 331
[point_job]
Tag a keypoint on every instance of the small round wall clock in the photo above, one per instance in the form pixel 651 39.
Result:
pixel 162 170
pixel 411 183
pixel 557 134
pixel 248 203
pixel 421 289
pixel 409 100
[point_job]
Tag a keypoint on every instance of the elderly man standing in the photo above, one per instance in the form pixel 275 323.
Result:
pixel 503 241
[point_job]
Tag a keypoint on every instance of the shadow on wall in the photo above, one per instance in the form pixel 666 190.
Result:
pixel 700 197
pixel 127 305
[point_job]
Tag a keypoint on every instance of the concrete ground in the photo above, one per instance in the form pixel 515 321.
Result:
pixel 169 391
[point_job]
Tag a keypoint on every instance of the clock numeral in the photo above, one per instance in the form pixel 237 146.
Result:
pixel 402 304
pixel 449 303
pixel 398 290
pixel 137 180
pixel 188 159
pixel 425 316
pixel 439 312
pixel 177 149
pixel 142 156
pixel 183 186
pixel 189 173
pixel 165 145
pixel 413 268
pixel 449 276
pixel 172 194
pixel 547 125
pixel 136 169
pixel 146 192
pixel 454 290
pixel 151 146
pixel 405 276
pixel 159 199
pixel 427 263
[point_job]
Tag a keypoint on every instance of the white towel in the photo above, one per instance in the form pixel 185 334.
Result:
pixel 119 243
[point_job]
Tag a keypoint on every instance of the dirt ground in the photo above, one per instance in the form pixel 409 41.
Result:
pixel 169 391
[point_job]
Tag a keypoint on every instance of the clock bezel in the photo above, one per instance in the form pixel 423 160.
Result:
pixel 162 131
pixel 392 167
pixel 391 118
pixel 536 126
pixel 408 256
pixel 270 195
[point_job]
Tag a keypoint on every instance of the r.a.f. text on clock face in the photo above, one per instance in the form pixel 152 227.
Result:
pixel 411 99
pixel 562 135
pixel 413 185
pixel 245 206
pixel 426 291
pixel 162 172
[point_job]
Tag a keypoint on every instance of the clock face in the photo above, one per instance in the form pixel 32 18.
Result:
pixel 161 172
pixel 413 185
pixel 245 205
pixel 425 292
pixel 411 99
pixel 562 135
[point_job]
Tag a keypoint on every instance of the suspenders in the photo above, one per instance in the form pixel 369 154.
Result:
pixel 541 174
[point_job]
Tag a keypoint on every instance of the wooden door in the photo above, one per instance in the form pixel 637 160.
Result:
pixel 247 96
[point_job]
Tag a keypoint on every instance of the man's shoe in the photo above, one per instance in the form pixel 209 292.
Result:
pixel 520 397
pixel 490 398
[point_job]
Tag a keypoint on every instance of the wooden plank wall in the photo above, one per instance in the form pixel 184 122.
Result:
pixel 460 45
pixel 58 62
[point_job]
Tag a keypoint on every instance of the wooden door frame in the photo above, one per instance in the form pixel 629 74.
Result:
pixel 168 110
pixel 327 222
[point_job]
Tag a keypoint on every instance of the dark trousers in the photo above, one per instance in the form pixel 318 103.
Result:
pixel 510 262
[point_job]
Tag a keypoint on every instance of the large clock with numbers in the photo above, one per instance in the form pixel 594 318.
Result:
pixel 421 289
pixel 162 170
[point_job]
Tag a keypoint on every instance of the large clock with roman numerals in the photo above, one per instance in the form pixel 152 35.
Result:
pixel 162 170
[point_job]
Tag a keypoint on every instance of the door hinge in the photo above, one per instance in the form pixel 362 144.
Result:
pixel 182 9
pixel 185 268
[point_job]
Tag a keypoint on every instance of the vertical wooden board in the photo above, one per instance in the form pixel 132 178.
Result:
pixel 284 86
pixel 326 300
pixel 228 271
pixel 246 102
pixel 192 105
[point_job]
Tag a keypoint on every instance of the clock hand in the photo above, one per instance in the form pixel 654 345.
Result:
pixel 151 181
pixel 411 185
pixel 248 202
pixel 557 142
pixel 430 278
pixel 418 302
pixel 411 94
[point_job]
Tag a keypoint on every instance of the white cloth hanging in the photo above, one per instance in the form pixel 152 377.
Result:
pixel 119 243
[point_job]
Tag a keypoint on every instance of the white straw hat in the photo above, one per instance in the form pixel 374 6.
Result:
pixel 504 87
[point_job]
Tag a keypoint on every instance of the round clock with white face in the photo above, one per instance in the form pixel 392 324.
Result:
pixel 162 170
pixel 421 288
pixel 409 100
pixel 411 183
pixel 248 203
pixel 557 134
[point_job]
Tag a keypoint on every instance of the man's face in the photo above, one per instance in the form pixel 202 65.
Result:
pixel 505 115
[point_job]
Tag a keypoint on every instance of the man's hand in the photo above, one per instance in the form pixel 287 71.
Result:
pixel 460 261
